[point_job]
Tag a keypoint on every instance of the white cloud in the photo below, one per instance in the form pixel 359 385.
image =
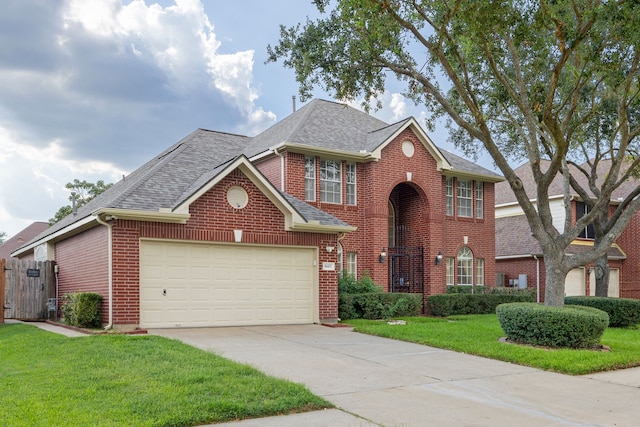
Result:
pixel 42 174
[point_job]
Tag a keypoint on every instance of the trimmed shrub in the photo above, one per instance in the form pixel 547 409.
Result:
pixel 347 284
pixel 82 309
pixel 571 326
pixel 464 289
pixel 623 312
pixel 461 303
pixel 378 305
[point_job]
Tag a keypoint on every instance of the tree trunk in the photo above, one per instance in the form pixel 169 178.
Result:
pixel 602 276
pixel 554 285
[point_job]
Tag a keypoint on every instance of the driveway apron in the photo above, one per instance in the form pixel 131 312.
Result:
pixel 378 381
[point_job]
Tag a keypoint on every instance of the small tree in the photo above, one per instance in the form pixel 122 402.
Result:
pixel 81 193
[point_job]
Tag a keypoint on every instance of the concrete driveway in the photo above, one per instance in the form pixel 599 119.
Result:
pixel 377 381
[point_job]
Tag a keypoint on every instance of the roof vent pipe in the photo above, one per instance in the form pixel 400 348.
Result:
pixel 293 99
pixel 74 208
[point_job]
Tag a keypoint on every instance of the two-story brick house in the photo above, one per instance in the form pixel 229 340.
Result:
pixel 519 260
pixel 224 229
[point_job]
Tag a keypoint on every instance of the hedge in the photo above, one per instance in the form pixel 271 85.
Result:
pixel 82 309
pixel 461 303
pixel 623 312
pixel 378 305
pixel 571 326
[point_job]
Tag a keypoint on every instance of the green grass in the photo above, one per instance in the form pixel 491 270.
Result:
pixel 479 334
pixel 124 380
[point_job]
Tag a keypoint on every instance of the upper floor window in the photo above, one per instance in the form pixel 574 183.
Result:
pixel 330 181
pixel 479 199
pixel 351 184
pixel 310 179
pixel 581 210
pixel 449 193
pixel 465 199
pixel 465 266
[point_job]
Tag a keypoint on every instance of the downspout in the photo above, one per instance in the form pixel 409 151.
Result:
pixel 537 278
pixel 110 266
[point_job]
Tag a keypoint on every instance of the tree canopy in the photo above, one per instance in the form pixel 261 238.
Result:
pixel 523 80
pixel 82 192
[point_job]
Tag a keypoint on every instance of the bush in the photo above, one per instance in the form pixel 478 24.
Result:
pixel 82 309
pixel 464 289
pixel 569 326
pixel 462 303
pixel 623 312
pixel 378 305
pixel 347 284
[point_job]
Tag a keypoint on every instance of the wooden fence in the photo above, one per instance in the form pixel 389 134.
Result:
pixel 28 287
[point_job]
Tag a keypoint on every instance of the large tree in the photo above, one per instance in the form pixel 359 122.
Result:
pixel 80 193
pixel 520 79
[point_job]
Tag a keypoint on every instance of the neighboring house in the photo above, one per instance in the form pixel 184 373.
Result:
pixel 22 237
pixel 224 229
pixel 519 260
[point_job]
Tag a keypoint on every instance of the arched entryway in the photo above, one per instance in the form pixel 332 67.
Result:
pixel 407 231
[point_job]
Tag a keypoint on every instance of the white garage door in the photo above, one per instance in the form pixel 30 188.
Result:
pixel 195 284
pixel 574 283
pixel 614 283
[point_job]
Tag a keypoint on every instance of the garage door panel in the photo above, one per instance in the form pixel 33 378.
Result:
pixel 224 285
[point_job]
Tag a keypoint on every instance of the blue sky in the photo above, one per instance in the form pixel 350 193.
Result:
pixel 92 89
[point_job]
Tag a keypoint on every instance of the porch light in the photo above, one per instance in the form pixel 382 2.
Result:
pixel 383 255
pixel 439 258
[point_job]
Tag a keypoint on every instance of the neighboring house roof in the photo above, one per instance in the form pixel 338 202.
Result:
pixel 514 240
pixel 22 237
pixel 162 189
pixel 504 194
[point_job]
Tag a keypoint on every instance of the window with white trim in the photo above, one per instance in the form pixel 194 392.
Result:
pixel 449 187
pixel 391 225
pixel 480 272
pixel 310 179
pixel 451 269
pixel 351 184
pixel 479 199
pixel 465 266
pixel 352 264
pixel 330 181
pixel 465 199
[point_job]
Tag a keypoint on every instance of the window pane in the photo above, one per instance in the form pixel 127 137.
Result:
pixel 310 179
pixel 330 181
pixel 352 264
pixel 480 272
pixel 465 266
pixel 351 184
pixel 451 266
pixel 479 200
pixel 465 199
pixel 449 196
pixel 340 265
pixel 391 225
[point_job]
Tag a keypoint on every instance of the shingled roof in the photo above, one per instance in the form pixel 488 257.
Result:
pixel 167 180
pixel 514 240
pixel 504 194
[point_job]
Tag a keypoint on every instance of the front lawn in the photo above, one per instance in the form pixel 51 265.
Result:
pixel 124 380
pixel 479 335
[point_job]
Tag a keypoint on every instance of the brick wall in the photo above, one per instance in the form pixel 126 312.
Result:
pixel 420 205
pixel 83 264
pixel 213 220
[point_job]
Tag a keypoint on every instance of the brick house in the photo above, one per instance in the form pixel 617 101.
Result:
pixel 519 260
pixel 224 229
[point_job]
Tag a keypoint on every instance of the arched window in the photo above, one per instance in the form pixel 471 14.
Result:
pixel 391 224
pixel 465 266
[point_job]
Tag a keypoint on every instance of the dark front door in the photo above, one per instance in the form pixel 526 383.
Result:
pixel 406 267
